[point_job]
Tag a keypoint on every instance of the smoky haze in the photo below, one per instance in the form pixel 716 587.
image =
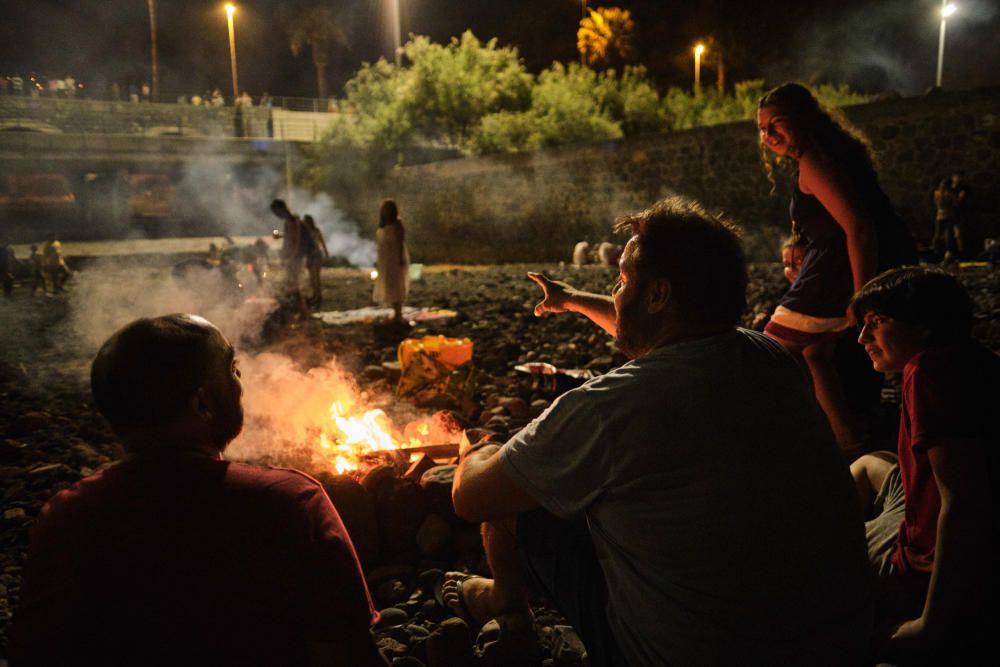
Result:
pixel 892 46
pixel 238 199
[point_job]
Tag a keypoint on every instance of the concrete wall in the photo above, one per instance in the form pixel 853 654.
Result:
pixel 534 207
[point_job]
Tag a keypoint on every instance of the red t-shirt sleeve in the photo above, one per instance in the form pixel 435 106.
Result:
pixel 939 404
pixel 336 603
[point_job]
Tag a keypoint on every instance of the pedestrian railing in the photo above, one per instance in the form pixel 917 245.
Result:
pixel 69 116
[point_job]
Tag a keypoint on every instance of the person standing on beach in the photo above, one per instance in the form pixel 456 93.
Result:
pixel 392 284
pixel 851 233
pixel 54 264
pixel 291 246
pixel 315 253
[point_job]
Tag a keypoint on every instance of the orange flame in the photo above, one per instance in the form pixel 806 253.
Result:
pixel 353 435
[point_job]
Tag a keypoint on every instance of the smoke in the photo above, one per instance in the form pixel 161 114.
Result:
pixel 286 405
pixel 893 46
pixel 286 408
pixel 237 201
pixel 340 232
pixel 109 295
pixel 859 46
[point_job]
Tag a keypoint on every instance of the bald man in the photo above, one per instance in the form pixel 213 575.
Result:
pixel 175 556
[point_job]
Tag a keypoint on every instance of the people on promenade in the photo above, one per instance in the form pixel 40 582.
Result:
pixel 851 233
pixel 175 556
pixel 243 101
pixel 689 507
pixel 392 260
pixel 933 531
pixel 315 251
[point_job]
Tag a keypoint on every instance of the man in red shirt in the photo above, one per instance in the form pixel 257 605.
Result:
pixel 175 556
pixel 933 533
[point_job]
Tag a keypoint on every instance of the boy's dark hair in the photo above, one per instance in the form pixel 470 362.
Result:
pixel 145 373
pixel 700 254
pixel 925 297
pixel 279 206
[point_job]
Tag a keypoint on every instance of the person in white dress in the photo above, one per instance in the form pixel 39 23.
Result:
pixel 392 284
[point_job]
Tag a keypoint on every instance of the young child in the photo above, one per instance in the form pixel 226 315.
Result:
pixel 933 533
pixel 793 251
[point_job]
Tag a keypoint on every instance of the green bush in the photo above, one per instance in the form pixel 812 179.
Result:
pixel 475 97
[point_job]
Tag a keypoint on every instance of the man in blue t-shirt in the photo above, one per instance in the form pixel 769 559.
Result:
pixel 689 507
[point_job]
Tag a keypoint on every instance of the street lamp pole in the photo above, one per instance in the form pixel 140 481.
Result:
pixel 230 10
pixel 152 38
pixel 398 45
pixel 947 9
pixel 698 50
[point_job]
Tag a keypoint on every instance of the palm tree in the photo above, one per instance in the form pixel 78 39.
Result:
pixel 606 36
pixel 319 28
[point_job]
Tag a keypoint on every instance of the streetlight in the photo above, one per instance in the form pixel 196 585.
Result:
pixel 151 5
pixel 398 50
pixel 698 50
pixel 230 10
pixel 947 9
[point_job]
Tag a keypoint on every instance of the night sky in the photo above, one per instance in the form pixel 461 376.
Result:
pixel 875 45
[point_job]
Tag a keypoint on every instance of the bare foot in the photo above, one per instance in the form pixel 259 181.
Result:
pixel 478 600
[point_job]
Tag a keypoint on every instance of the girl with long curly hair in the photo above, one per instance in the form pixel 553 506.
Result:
pixel 850 230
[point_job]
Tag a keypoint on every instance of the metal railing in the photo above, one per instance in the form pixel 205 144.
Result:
pixel 184 98
pixel 67 116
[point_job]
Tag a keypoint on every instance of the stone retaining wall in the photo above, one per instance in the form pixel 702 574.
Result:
pixel 535 206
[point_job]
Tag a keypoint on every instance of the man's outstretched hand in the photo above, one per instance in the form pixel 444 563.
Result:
pixel 555 294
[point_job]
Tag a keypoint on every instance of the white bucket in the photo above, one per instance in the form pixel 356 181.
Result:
pixel 416 270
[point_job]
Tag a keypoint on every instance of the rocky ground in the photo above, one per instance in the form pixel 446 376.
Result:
pixel 50 435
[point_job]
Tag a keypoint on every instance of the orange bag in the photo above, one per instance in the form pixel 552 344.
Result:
pixel 436 371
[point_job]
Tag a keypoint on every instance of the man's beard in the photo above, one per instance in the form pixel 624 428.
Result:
pixel 228 424
pixel 634 327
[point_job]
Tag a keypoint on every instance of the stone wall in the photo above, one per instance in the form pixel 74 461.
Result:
pixel 534 207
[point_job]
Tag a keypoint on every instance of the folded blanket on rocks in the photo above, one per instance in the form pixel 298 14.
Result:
pixel 373 314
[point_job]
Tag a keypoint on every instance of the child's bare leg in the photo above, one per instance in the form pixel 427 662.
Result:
pixel 830 393
pixel 869 472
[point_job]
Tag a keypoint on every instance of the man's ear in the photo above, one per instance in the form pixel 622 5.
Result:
pixel 657 295
pixel 200 404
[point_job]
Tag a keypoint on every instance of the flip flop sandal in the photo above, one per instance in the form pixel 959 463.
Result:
pixel 462 610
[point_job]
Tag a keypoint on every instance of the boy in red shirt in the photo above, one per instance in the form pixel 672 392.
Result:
pixel 932 533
